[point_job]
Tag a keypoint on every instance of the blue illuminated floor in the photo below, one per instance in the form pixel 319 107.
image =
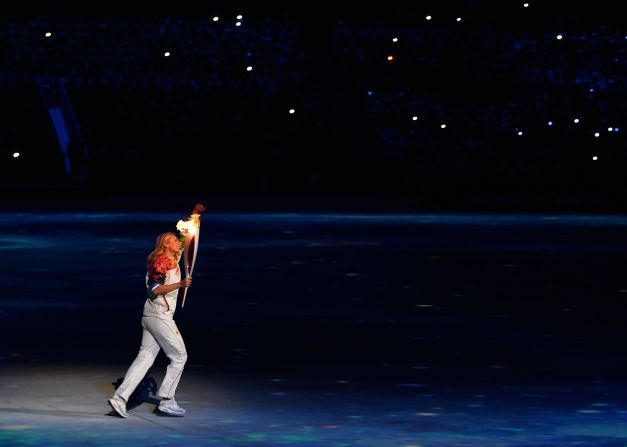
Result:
pixel 323 329
pixel 65 405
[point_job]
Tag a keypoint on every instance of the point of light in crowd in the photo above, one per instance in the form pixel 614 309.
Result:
pixel 292 111
pixel 249 68
pixel 369 93
pixel 576 120
pixel 429 18
pixel 519 133
pixel 395 39
pixel 216 18
pixel 595 158
pixel 16 154
pixel 414 118
pixel 442 126
pixel 559 37
pixel 166 54
pixel 610 129
pixel 48 34
pixel 591 90
pixel 390 58
pixel 550 123
pixel 616 129
pixel 459 19
pixel 597 134
pixel 239 17
pixel 238 23
pixel 525 5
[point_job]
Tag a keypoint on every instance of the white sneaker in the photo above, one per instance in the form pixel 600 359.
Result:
pixel 119 405
pixel 169 406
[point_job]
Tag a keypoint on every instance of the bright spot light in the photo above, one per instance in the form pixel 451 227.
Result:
pixel 616 129
pixel 559 37
pixel 525 5
pixel 591 90
pixel 239 17
pixel 395 39
pixel 166 54
pixel 520 133
pixel 390 58
pixel 16 154
pixel 369 93
pixel 249 68
pixel 292 111
pixel 48 34
pixel 442 126
pixel 414 118
pixel 216 18
pixel 550 123
pixel 429 18
pixel 576 120
pixel 596 134
pixel 595 158
pixel 610 129
pixel 238 23
pixel 459 19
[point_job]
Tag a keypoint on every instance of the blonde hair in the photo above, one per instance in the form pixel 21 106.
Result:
pixel 160 248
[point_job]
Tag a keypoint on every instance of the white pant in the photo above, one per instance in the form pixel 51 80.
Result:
pixel 158 333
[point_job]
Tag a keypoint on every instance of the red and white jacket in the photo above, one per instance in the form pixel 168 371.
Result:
pixel 163 271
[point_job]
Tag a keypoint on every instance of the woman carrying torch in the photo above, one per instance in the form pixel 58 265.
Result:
pixel 163 281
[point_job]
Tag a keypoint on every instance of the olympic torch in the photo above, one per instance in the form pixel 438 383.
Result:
pixel 190 229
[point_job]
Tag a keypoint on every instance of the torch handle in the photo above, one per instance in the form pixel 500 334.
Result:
pixel 187 275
